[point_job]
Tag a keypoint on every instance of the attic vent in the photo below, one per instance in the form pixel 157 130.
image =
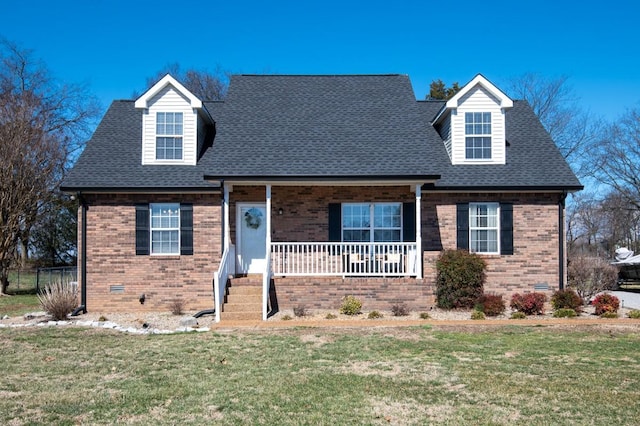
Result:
pixel 541 287
pixel 116 288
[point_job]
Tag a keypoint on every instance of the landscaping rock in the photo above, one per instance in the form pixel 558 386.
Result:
pixel 188 322
pixel 34 315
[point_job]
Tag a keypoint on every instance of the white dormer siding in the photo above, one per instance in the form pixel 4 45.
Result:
pixel 478 101
pixel 169 100
pixel 480 98
pixel 168 96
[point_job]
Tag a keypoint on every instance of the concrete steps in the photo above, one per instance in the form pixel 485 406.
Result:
pixel 243 301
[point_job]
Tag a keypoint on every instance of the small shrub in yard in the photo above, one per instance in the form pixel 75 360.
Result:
pixel 425 315
pixel 634 314
pixel 400 310
pixel 331 316
pixel 567 299
pixel 606 302
pixel 529 303
pixel 591 275
pixel 460 279
pixel 176 306
pixel 477 315
pixel 491 305
pixel 300 311
pixel 375 315
pixel 287 317
pixel 609 315
pixel 564 313
pixel 518 315
pixel 351 305
pixel 59 300
pixel 103 318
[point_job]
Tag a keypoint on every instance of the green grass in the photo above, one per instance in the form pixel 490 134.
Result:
pixel 19 304
pixel 507 375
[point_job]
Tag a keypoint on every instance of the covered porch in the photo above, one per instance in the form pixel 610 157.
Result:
pixel 284 232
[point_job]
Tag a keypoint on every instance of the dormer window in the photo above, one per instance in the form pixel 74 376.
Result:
pixel 477 129
pixel 169 131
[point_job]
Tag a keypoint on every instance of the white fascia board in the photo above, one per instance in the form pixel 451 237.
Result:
pixel 167 80
pixel 505 101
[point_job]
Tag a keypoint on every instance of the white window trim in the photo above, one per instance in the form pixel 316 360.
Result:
pixel 372 228
pixel 152 229
pixel 472 206
pixel 478 135
pixel 169 136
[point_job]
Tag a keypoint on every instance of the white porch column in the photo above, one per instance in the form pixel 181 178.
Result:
pixel 418 232
pixel 268 213
pixel 227 227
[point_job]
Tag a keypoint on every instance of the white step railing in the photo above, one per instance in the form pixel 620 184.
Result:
pixel 221 276
pixel 344 259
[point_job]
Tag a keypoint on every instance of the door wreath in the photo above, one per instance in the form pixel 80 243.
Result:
pixel 253 218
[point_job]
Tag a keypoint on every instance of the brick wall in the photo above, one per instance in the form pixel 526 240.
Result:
pixel 111 258
pixel 535 237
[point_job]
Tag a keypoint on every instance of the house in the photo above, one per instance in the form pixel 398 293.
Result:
pixel 301 189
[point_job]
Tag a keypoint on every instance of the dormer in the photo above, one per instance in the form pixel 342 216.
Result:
pixel 472 123
pixel 174 124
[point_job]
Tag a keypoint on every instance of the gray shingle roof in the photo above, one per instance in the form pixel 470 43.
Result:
pixel 287 127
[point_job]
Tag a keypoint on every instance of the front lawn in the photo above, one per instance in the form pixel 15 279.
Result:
pixel 510 374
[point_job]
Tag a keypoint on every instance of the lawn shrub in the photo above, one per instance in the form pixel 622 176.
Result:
pixel 491 304
pixel 176 306
pixel 300 311
pixel 374 315
pixel 460 279
pixel 564 313
pixel 568 298
pixel 59 299
pixel 529 303
pixel 634 314
pixel 287 317
pixel 606 302
pixel 425 315
pixel 330 316
pixel 351 305
pixel 400 310
pixel 477 315
pixel 518 315
pixel 591 275
pixel 609 315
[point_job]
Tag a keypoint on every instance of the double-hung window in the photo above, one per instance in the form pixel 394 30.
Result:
pixel 379 222
pixel 165 228
pixel 484 228
pixel 477 130
pixel 169 131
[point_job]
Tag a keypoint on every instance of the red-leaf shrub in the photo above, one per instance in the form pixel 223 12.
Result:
pixel 529 303
pixel 606 302
pixel 491 304
pixel 567 299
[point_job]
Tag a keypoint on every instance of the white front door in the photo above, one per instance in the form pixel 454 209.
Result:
pixel 251 230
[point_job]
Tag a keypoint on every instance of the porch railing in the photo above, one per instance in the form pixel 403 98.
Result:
pixel 221 276
pixel 266 287
pixel 344 259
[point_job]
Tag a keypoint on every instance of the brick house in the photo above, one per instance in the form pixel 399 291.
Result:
pixel 303 189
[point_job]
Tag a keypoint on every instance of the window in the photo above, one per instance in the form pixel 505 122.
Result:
pixel 169 136
pixel 477 128
pixel 484 227
pixel 165 228
pixel 380 222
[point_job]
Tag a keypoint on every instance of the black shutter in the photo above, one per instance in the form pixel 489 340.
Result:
pixel 335 222
pixel 142 229
pixel 462 226
pixel 506 228
pixel 186 229
pixel 409 222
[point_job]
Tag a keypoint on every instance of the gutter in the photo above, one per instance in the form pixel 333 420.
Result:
pixel 83 278
pixel 561 240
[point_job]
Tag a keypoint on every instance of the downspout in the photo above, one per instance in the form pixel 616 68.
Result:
pixel 561 239
pixel 83 277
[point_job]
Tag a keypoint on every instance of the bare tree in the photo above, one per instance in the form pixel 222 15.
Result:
pixel 206 85
pixel 43 123
pixel 557 107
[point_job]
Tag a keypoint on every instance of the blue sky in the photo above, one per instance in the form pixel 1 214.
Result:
pixel 114 45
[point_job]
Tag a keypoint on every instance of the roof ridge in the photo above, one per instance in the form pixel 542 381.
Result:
pixel 323 75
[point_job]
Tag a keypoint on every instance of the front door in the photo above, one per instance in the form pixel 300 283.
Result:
pixel 251 227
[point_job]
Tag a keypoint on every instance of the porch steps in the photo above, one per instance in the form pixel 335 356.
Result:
pixel 243 301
